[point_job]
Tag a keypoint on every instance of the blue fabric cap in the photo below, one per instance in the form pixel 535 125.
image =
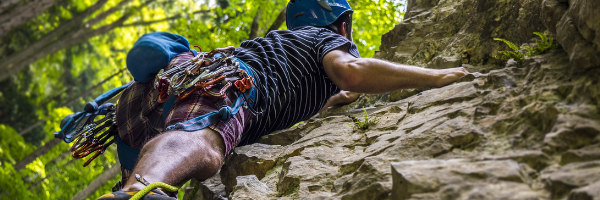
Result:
pixel 152 52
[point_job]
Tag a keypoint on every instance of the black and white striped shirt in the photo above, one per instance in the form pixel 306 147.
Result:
pixel 291 82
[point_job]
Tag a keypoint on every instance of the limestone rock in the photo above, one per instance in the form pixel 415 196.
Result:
pixel 255 159
pixel 458 179
pixel 563 179
pixel 577 30
pixel 210 189
pixel 572 131
pixel 588 153
pixel 590 192
pixel 249 187
pixel 505 131
pixel 537 160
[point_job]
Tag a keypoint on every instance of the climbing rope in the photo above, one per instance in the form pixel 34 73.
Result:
pixel 152 187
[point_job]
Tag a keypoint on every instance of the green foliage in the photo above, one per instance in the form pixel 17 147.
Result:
pixel 365 124
pixel 370 20
pixel 12 146
pixel 545 44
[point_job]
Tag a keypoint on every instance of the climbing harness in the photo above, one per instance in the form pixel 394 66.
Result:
pixel 205 71
pixel 212 73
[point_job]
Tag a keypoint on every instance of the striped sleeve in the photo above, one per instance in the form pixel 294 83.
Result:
pixel 327 41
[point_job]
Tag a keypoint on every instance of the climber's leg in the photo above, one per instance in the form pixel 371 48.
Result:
pixel 175 157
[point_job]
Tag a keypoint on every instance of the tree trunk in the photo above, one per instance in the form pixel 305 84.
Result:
pixel 278 21
pixel 15 63
pixel 75 38
pixel 4 5
pixel 22 14
pixel 38 152
pixel 98 182
pixel 12 60
pixel 254 27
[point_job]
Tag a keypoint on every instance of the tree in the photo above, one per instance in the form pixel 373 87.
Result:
pixel 21 14
pixel 98 182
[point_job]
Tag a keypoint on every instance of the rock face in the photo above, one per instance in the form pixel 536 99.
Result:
pixel 502 132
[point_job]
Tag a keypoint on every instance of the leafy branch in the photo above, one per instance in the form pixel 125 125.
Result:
pixel 546 44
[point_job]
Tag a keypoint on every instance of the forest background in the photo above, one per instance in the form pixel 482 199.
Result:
pixel 56 55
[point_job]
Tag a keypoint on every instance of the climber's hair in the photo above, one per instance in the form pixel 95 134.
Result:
pixel 346 17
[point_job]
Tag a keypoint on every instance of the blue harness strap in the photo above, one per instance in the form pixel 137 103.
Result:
pixel 128 156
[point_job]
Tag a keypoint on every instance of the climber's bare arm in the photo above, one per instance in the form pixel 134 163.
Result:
pixel 344 97
pixel 368 75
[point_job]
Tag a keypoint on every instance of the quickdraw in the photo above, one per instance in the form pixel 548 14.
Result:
pixel 91 136
pixel 205 71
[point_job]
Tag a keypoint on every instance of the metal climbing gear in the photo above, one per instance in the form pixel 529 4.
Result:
pixel 92 135
pixel 203 72
pixel 211 73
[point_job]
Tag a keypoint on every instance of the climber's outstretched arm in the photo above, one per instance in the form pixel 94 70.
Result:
pixel 344 97
pixel 368 75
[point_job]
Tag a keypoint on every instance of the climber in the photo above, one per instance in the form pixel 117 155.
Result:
pixel 294 72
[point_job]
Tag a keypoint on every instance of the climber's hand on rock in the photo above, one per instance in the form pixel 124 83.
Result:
pixel 451 75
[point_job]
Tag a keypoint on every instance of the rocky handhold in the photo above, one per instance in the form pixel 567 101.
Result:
pixel 588 153
pixel 372 180
pixel 289 136
pixel 449 94
pixel 563 179
pixel 537 160
pixel 301 176
pixel 249 187
pixel 209 189
pixel 255 159
pixel 590 192
pixel 578 31
pixel 552 12
pixel 573 131
pixel 442 179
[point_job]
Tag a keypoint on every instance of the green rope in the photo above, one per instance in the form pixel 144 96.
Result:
pixel 152 186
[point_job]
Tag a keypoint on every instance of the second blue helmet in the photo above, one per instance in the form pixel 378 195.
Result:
pixel 315 12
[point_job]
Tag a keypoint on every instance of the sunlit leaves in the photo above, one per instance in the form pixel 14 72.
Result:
pixel 12 146
pixel 371 19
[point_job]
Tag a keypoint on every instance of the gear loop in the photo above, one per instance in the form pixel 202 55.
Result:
pixel 91 107
pixel 226 112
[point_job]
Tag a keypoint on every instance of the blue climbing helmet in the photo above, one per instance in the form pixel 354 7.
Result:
pixel 315 12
